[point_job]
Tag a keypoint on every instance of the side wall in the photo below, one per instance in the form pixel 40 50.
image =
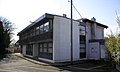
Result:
pixel 24 49
pixel 99 35
pixel 99 32
pixel 62 39
pixel 94 50
pixel 35 50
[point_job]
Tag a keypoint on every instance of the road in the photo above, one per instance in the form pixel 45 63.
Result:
pixel 16 64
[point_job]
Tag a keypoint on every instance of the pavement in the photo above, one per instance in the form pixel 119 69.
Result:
pixel 47 63
pixel 31 60
pixel 18 63
pixel 80 65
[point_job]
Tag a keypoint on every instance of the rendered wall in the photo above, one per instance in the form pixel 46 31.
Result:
pixel 94 50
pixel 35 50
pixel 99 32
pixel 103 51
pixel 62 39
pixel 88 37
pixel 24 49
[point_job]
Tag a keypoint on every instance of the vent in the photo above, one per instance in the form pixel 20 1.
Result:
pixel 64 15
pixel 93 19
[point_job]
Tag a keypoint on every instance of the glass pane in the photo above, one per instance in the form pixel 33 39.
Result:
pixel 50 45
pixel 41 28
pixel 82 28
pixel 37 28
pixel 82 50
pixel 45 44
pixel 82 45
pixel 50 24
pixel 50 50
pixel 45 49
pixel 40 49
pixel 37 32
pixel 46 27
pixel 41 45
pixel 82 32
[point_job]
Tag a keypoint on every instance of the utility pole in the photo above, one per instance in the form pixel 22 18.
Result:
pixel 71 34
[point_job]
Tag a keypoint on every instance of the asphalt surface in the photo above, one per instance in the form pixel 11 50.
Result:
pixel 17 64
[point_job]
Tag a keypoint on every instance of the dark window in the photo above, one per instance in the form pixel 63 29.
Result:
pixel 37 30
pixel 46 50
pixel 82 42
pixel 29 49
pixel 45 47
pixel 41 29
pixel 33 32
pixel 50 48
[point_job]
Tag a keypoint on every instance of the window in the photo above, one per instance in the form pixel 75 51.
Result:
pixel 37 30
pixel 33 32
pixel 51 24
pixel 50 48
pixel 41 28
pixel 46 50
pixel 46 27
pixel 45 47
pixel 29 49
pixel 82 30
pixel 40 47
pixel 82 42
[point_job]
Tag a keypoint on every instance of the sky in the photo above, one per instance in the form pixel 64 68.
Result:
pixel 21 12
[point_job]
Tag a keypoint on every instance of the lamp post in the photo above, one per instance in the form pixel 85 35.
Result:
pixel 71 35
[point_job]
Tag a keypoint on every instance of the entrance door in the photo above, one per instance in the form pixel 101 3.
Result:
pixel 82 42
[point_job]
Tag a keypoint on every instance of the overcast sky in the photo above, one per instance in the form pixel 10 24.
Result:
pixel 21 12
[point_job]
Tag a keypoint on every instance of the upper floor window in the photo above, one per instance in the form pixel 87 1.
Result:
pixel 41 28
pixel 82 30
pixel 37 30
pixel 46 27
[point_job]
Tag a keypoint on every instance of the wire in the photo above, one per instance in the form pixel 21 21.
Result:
pixel 76 9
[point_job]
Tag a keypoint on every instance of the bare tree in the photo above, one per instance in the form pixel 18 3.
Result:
pixel 6 34
pixel 118 19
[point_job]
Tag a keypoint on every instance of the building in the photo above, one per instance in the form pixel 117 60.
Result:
pixel 49 37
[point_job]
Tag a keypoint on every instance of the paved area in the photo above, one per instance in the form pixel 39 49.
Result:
pixel 18 64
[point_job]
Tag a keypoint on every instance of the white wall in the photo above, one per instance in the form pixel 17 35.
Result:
pixel 24 49
pixel 76 42
pixel 104 53
pixel 94 51
pixel 61 39
pixel 88 37
pixel 35 50
pixel 99 32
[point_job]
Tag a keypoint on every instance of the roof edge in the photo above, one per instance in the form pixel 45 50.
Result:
pixel 85 19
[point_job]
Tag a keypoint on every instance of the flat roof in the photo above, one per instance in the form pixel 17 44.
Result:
pixel 46 15
pixel 51 16
pixel 87 20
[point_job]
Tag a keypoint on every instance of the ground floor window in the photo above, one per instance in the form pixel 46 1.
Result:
pixel 46 50
pixel 29 49
pixel 82 46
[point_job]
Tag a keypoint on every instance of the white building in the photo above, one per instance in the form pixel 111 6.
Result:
pixel 49 39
